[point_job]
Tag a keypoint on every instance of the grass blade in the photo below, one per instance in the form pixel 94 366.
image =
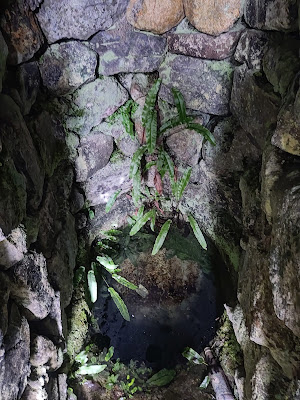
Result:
pixel 119 303
pixel 197 232
pixel 203 131
pixel 92 285
pixel 124 282
pixel 112 200
pixel 180 104
pixel 140 223
pixel 161 237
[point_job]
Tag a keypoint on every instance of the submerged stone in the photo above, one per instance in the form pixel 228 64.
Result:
pixel 205 85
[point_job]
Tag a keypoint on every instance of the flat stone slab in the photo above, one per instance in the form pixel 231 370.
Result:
pixel 66 66
pixel 197 44
pixel 205 85
pixel 123 49
pixel 78 19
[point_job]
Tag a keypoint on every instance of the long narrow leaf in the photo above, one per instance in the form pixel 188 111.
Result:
pixel 140 223
pixel 151 131
pixel 124 282
pixel 136 161
pixel 193 356
pixel 161 237
pixel 112 200
pixel 136 188
pixel 92 285
pixel 183 183
pixel 107 263
pixel 180 104
pixel 90 369
pixel 150 102
pixel 153 218
pixel 161 163
pixel 119 303
pixel 110 353
pixel 197 232
pixel 169 164
pixel 203 131
pixel 171 123
pixel 128 125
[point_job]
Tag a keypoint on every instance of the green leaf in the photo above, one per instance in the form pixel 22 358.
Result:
pixel 136 188
pixel 107 263
pixel 92 285
pixel 150 102
pixel 161 237
pixel 162 378
pixel 111 232
pixel 169 164
pixel 180 104
pixel 119 303
pixel 153 218
pixel 161 163
pixel 91 214
pixel 110 353
pixel 82 357
pixel 151 132
pixel 124 282
pixel 182 184
pixel 136 161
pixel 193 356
pixel 128 125
pixel 140 212
pixel 149 165
pixel 197 232
pixel 203 131
pixel 112 200
pixel 90 369
pixel 171 123
pixel 79 273
pixel 140 223
pixel 205 382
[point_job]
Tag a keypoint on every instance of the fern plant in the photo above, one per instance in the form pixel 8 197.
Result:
pixel 152 155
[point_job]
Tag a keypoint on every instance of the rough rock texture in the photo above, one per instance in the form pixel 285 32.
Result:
pixel 197 44
pixel 156 17
pixel 21 31
pixel 251 48
pixel 78 20
pixel 256 97
pixel 205 85
pixel 66 66
pixel 280 15
pixel 212 18
pixel 44 352
pixel 93 102
pixel 3 57
pixel 12 248
pixel 28 82
pixel 120 50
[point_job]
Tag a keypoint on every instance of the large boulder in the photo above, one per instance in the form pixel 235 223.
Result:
pixel 251 48
pixel 78 19
pixel 66 66
pixel 12 248
pixel 205 85
pixel 124 49
pixel 212 18
pixel 157 17
pixel 21 31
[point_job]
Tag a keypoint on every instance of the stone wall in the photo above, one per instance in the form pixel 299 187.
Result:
pixel 65 67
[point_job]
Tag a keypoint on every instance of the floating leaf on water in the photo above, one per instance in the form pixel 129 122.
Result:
pixel 205 382
pixel 119 303
pixel 90 369
pixel 112 200
pixel 110 353
pixel 193 356
pixel 197 232
pixel 92 285
pixel 161 237
pixel 124 282
pixel 162 378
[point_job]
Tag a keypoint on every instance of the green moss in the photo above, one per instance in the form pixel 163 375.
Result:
pixel 117 157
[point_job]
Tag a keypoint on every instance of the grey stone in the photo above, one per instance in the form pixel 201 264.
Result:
pixel 121 47
pixel 78 20
pixel 93 154
pixel 254 104
pixel 4 293
pixel 126 145
pixel 100 187
pixel 93 102
pixel 44 352
pixel 13 378
pixel 279 15
pixel 115 129
pixel 77 200
pixel 28 78
pixel 33 4
pixel 13 248
pixel 281 63
pixel 30 287
pixel 197 44
pixel 205 84
pixel 21 32
pixel 3 57
pixel 66 66
pixel 18 143
pixel 251 48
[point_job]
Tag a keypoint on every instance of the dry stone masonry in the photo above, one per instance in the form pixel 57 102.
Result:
pixel 65 68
